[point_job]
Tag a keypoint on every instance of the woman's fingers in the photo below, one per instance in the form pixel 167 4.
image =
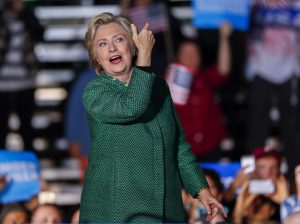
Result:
pixel 134 31
pixel 212 209
pixel 146 26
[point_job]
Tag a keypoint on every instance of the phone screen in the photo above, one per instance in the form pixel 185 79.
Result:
pixel 261 187
pixel 248 163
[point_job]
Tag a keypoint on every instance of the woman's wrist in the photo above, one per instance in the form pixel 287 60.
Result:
pixel 143 59
pixel 200 190
pixel 143 62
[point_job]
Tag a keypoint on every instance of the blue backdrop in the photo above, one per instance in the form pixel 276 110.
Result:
pixel 227 171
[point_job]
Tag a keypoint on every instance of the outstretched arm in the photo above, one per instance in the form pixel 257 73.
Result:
pixel 224 53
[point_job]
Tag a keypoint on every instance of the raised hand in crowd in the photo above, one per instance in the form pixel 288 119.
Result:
pixel 281 190
pixel 240 178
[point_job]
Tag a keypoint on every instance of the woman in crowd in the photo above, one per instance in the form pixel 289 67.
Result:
pixel 47 214
pixel 14 214
pixel 261 203
pixel 139 158
pixel 201 116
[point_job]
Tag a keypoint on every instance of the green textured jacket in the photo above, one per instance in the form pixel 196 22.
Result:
pixel 139 158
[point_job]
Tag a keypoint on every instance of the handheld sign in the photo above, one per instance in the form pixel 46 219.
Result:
pixel 179 79
pixel 209 14
pixel 21 170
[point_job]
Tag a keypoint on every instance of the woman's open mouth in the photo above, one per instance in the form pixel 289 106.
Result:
pixel 115 59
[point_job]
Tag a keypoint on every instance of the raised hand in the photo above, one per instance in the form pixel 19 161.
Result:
pixel 243 201
pixel 144 41
pixel 225 29
pixel 281 190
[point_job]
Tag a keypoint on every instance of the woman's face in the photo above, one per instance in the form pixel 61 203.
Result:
pixel 113 49
pixel 46 215
pixel 16 217
pixel 189 55
pixel 266 168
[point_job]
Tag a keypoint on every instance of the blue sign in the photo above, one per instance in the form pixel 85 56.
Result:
pixel 227 171
pixel 211 13
pixel 22 173
pixel 287 17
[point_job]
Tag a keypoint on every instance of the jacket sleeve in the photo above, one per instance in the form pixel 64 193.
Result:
pixel 108 104
pixel 191 174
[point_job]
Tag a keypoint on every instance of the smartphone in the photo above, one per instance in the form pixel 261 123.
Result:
pixel 248 163
pixel 261 186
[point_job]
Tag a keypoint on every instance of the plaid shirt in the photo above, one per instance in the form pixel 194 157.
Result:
pixel 289 206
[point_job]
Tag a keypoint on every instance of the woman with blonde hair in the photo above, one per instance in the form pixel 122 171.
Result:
pixel 139 158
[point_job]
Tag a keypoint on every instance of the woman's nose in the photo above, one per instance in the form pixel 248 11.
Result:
pixel 112 47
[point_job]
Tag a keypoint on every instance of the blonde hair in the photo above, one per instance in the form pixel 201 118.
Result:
pixel 94 24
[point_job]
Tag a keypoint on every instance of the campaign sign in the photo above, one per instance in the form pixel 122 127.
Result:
pixel 179 79
pixel 21 170
pixel 286 17
pixel 209 14
pixel 227 171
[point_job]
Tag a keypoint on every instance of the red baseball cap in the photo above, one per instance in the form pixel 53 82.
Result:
pixel 267 151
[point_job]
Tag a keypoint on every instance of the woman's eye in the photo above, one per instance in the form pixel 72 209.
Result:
pixel 102 44
pixel 120 39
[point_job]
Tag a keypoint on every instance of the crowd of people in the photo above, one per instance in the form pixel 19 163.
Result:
pixel 267 194
pixel 42 214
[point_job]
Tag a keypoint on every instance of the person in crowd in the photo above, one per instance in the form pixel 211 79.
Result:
pixel 267 167
pixel 201 116
pixel 165 27
pixel 292 203
pixel 47 214
pixel 261 209
pixel 20 30
pixel 14 213
pixel 187 201
pixel 294 218
pixel 76 124
pixel 273 75
pixel 139 160
pixel 217 189
pixel 75 217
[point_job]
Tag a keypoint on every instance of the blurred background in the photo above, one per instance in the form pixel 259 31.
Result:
pixel 60 60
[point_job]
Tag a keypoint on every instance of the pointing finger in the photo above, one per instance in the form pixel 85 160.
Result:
pixel 146 26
